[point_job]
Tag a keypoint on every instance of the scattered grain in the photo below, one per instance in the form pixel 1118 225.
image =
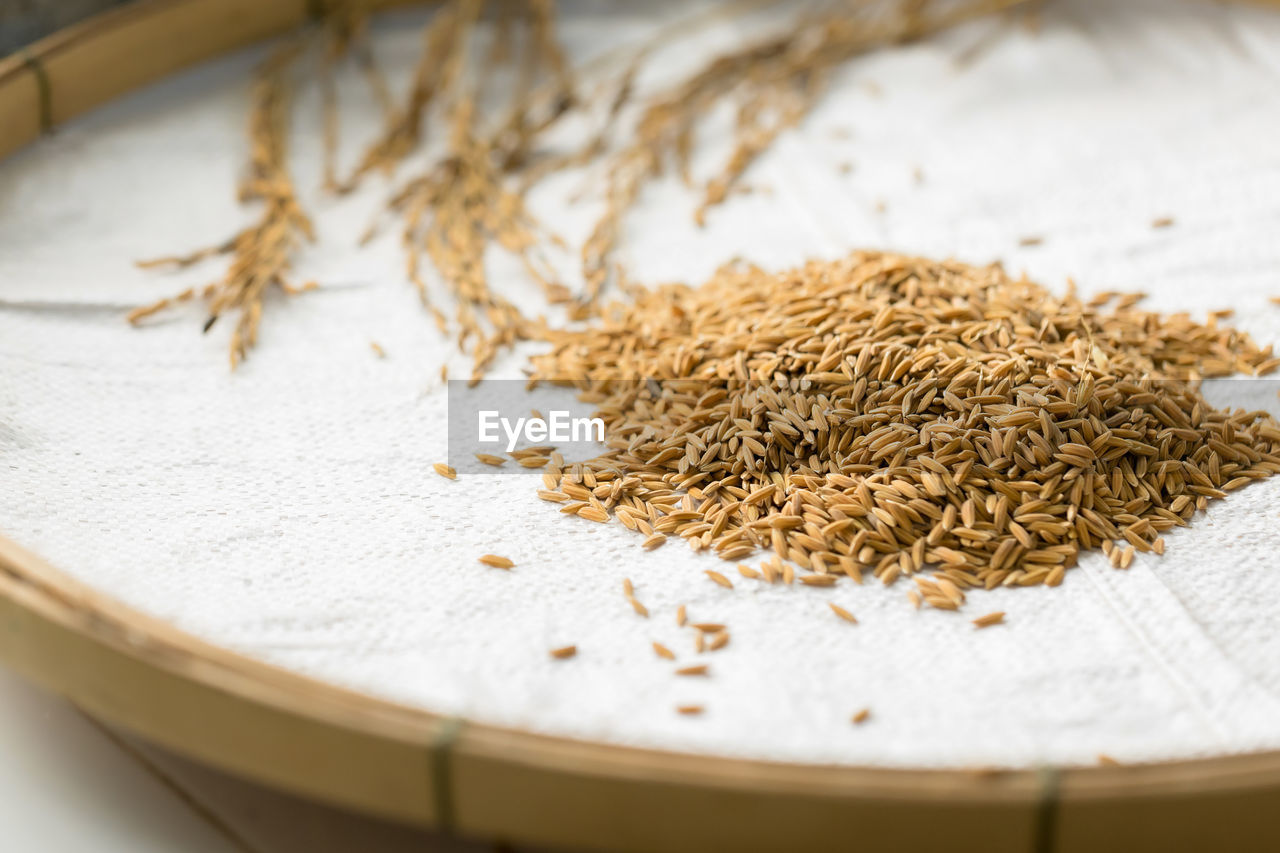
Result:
pixel 719 579
pixel 842 613
pixel 990 619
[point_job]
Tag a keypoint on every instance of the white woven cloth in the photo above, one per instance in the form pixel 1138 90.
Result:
pixel 289 511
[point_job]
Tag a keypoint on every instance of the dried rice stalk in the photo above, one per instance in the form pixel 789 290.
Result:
pixel 461 205
pixel 347 34
pixel 451 215
pixel 445 42
pixel 262 253
pixel 777 81
pixel 474 196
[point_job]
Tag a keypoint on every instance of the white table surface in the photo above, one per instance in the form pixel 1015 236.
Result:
pixel 65 787
pixel 71 785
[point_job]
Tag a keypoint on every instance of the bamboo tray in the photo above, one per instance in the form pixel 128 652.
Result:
pixel 428 770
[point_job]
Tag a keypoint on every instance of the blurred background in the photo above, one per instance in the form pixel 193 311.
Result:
pixel 24 21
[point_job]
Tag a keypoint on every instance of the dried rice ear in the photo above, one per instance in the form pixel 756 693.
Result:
pixel 262 254
pixel 775 80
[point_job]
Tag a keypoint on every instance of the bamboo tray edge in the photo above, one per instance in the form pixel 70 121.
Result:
pixel 409 765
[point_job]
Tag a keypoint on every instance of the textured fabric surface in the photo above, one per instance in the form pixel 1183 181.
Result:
pixel 288 511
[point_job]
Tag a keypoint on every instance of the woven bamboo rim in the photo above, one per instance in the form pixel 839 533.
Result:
pixel 406 764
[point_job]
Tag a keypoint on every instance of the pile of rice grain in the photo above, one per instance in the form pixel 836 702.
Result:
pixel 893 414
